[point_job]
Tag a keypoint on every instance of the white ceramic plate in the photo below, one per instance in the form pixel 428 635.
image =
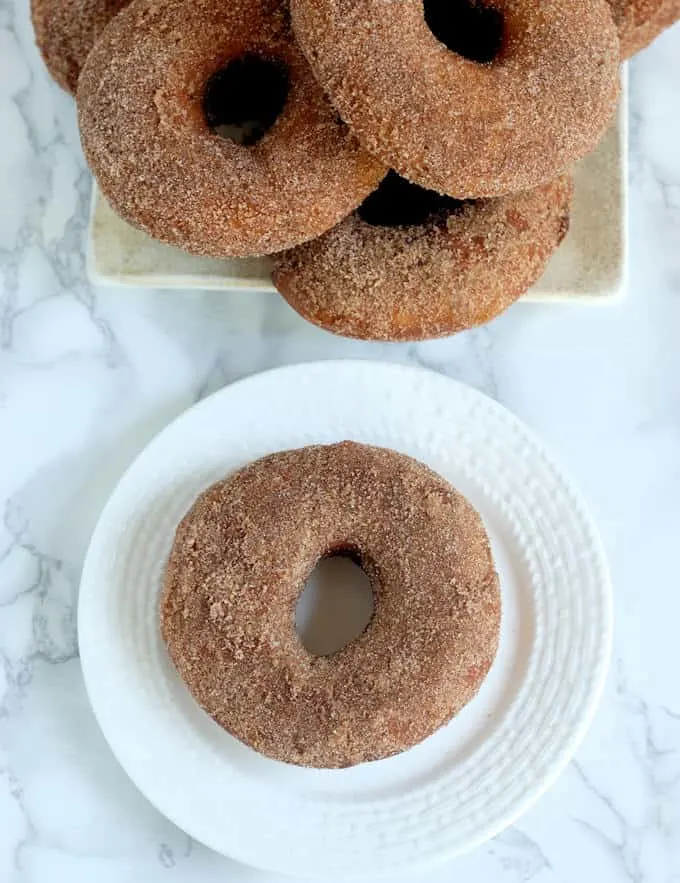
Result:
pixel 467 781
pixel 590 266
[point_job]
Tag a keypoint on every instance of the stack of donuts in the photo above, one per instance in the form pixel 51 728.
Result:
pixel 407 163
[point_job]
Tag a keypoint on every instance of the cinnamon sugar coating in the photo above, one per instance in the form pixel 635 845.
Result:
pixel 453 272
pixel 240 560
pixel 639 22
pixel 160 166
pixel 457 126
pixel 66 31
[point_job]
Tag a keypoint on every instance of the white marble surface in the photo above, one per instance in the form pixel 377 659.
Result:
pixel 88 375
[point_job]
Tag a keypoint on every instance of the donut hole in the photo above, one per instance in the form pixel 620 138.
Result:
pixel 466 27
pixel 335 606
pixel 398 203
pixel 243 100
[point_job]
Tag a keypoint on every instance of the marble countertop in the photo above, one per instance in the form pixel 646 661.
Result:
pixel 88 375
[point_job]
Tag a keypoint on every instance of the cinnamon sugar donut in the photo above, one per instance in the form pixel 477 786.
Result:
pixel 411 264
pixel 641 21
pixel 240 560
pixel 457 126
pixel 66 31
pixel 143 98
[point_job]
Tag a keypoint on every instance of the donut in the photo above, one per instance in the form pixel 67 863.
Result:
pixel 639 22
pixel 459 126
pixel 240 560
pixel 150 98
pixel 411 264
pixel 66 31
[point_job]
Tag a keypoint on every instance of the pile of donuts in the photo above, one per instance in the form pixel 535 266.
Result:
pixel 407 163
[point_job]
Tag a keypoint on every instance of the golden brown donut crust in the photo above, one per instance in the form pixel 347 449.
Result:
pixel 455 126
pixel 639 22
pixel 66 31
pixel 144 133
pixel 240 560
pixel 417 282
